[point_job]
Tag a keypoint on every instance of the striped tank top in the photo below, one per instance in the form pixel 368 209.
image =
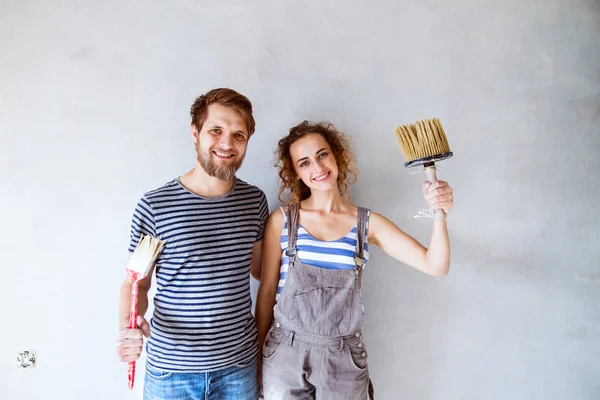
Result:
pixel 328 254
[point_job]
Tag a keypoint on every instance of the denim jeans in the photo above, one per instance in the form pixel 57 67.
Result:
pixel 233 383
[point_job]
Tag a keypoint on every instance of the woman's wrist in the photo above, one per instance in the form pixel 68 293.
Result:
pixel 440 216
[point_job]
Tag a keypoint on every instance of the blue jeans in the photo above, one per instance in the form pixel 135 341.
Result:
pixel 233 383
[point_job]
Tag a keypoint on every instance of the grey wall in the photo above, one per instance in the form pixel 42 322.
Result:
pixel 93 112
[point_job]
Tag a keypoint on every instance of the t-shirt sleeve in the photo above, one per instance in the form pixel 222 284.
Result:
pixel 264 215
pixel 141 223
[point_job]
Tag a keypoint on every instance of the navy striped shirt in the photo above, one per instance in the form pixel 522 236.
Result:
pixel 202 317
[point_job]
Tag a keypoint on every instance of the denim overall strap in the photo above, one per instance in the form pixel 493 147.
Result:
pixel 292 226
pixel 361 239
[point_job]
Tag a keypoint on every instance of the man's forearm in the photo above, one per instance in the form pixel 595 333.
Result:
pixel 125 303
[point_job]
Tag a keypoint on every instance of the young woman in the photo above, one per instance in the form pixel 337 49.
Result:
pixel 309 308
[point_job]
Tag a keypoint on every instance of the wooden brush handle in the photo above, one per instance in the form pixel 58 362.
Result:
pixel 431 177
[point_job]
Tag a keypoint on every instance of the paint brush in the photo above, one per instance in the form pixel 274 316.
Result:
pixel 424 143
pixel 140 264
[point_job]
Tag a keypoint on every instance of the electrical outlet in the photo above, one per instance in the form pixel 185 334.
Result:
pixel 26 359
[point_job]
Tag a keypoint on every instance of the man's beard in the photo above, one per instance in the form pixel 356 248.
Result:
pixel 224 173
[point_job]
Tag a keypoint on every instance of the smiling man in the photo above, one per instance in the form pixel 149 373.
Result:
pixel 202 336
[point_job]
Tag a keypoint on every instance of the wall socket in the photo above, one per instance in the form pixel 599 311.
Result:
pixel 26 359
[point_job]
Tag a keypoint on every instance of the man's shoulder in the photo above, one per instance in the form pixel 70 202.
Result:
pixel 169 188
pixel 246 187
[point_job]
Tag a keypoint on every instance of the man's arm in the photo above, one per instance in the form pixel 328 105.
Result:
pixel 125 300
pixel 255 265
pixel 130 341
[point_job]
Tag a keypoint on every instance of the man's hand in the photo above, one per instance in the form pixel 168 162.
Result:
pixel 130 341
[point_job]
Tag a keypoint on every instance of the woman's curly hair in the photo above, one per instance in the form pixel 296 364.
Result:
pixel 340 147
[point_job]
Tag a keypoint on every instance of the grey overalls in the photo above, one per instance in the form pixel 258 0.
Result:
pixel 315 349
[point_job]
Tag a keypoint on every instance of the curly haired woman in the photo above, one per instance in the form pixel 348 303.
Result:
pixel 309 308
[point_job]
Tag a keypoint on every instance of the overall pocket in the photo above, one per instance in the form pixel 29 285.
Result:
pixel 272 343
pixel 357 352
pixel 322 311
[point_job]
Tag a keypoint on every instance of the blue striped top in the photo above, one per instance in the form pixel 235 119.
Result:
pixel 202 319
pixel 329 254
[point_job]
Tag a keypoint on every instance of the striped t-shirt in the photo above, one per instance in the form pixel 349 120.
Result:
pixel 329 254
pixel 202 317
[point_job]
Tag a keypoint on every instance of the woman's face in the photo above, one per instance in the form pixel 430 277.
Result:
pixel 314 162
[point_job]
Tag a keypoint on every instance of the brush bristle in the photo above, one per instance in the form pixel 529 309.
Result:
pixel 424 138
pixel 145 254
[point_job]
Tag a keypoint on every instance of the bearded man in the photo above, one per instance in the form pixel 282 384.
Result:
pixel 202 338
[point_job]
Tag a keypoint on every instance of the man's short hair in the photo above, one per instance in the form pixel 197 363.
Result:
pixel 225 97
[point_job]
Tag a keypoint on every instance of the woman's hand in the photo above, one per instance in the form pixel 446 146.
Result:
pixel 439 195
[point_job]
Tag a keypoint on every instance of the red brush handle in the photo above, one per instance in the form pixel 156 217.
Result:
pixel 133 312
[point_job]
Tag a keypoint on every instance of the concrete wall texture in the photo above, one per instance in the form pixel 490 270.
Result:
pixel 94 100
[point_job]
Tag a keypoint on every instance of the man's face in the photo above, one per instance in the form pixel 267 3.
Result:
pixel 221 143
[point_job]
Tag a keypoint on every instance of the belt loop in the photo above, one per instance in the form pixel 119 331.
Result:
pixel 291 338
pixel 341 343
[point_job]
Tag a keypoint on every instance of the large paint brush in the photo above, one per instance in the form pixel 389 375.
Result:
pixel 424 143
